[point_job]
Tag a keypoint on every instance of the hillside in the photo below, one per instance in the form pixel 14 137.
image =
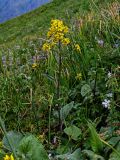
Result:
pixel 12 8
pixel 60 82
pixel 35 22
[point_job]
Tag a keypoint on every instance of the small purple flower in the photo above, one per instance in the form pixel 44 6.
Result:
pixel 100 42
pixel 116 45
pixel 4 60
pixel 54 140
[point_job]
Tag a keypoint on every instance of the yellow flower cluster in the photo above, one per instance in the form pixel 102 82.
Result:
pixel 78 76
pixel 57 30
pixel 41 137
pixel 46 47
pixel 34 65
pixel 77 47
pixel 1 144
pixel 56 34
pixel 65 41
pixel 9 157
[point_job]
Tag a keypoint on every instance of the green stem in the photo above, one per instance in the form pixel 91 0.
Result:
pixel 49 124
pixel 110 147
pixel 58 82
pixel 34 110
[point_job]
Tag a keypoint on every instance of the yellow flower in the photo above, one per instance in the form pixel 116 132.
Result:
pixel 6 157
pixel 52 44
pixel 1 144
pixel 9 157
pixel 46 47
pixel 65 41
pixel 34 65
pixel 65 29
pixel 41 137
pixel 78 76
pixel 77 47
pixel 57 30
pixel 56 34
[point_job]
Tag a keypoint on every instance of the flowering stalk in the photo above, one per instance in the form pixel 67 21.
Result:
pixel 58 81
pixel 56 36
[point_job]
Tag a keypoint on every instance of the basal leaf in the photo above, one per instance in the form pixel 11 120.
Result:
pixel 73 132
pixel 66 110
pixel 32 149
pixel 14 139
pixel 85 90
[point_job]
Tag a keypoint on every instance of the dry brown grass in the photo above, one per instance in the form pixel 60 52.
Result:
pixel 112 11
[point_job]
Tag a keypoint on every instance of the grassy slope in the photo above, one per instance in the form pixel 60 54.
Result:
pixel 36 22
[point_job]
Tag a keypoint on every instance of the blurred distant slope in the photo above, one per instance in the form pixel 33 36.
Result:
pixel 12 8
pixel 35 23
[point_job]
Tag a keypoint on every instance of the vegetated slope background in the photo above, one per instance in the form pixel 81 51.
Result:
pixel 13 8
pixel 36 22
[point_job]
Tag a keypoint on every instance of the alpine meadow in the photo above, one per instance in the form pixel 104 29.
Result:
pixel 60 82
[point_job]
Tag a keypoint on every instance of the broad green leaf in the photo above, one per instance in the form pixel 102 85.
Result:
pixel 115 155
pixel 2 154
pixel 14 139
pixel 85 90
pixel 76 155
pixel 73 132
pixel 63 149
pixel 93 156
pixel 32 149
pixel 62 157
pixel 95 142
pixel 66 110
pixel 114 141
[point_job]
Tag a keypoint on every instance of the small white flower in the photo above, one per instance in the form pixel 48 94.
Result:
pixel 29 78
pixel 50 155
pixel 36 51
pixel 109 74
pixel 109 95
pixel 17 47
pixel 106 103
